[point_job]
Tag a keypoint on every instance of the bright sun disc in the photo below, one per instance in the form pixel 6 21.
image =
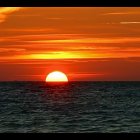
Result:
pixel 56 76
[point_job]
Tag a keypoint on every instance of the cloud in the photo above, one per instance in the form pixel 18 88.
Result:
pixel 89 40
pixel 67 46
pixel 122 13
pixel 130 22
pixel 5 11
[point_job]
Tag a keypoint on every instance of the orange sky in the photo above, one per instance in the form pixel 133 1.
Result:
pixel 87 43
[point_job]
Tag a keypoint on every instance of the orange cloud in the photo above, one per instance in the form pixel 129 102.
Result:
pixel 5 11
pixel 91 40
pixel 123 13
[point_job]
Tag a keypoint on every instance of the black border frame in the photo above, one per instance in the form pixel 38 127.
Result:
pixel 69 3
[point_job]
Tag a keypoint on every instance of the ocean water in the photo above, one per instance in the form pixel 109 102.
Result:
pixel 74 107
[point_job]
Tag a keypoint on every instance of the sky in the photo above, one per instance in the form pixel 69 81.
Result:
pixel 86 43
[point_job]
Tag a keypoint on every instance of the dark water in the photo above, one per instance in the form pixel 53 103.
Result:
pixel 73 107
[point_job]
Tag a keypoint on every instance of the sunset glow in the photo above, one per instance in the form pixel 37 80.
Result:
pixel 88 43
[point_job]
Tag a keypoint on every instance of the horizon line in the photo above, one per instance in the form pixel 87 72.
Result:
pixel 75 81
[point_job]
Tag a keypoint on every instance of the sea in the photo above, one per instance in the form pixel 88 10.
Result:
pixel 73 107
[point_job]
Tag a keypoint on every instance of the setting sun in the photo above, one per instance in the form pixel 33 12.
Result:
pixel 56 76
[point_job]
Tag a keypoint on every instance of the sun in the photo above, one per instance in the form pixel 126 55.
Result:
pixel 56 76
